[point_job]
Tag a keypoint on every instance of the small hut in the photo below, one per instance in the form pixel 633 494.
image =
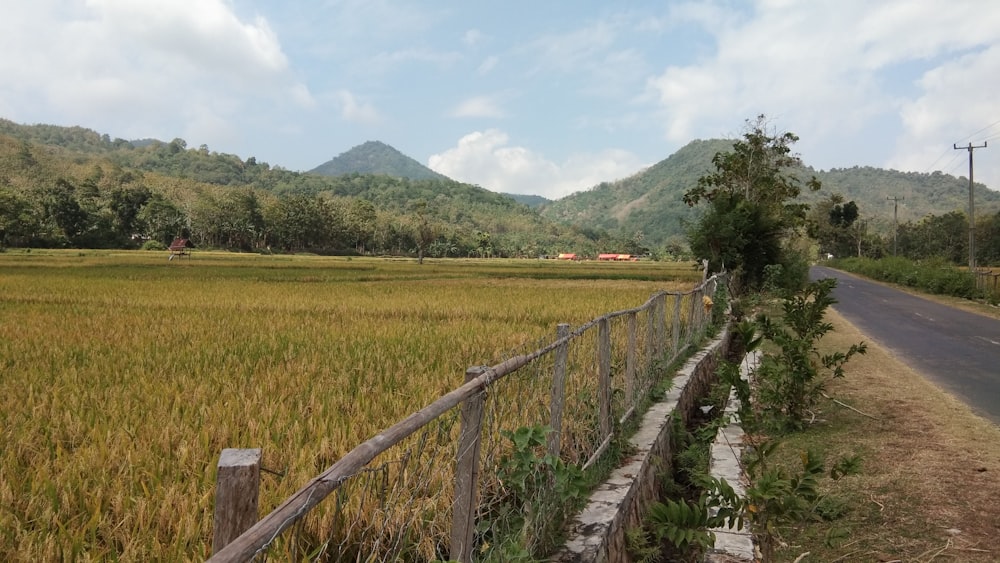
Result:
pixel 180 247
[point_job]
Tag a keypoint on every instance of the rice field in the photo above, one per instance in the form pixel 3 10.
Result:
pixel 123 375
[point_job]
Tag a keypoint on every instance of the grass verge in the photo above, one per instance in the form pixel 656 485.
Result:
pixel 931 477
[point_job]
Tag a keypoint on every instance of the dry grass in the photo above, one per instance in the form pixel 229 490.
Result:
pixel 931 479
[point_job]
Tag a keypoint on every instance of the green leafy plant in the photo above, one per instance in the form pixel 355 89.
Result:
pixel 789 382
pixel 537 491
pixel 792 380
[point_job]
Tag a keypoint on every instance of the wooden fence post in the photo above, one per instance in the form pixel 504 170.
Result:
pixel 692 326
pixel 678 301
pixel 467 473
pixel 236 492
pixel 604 375
pixel 661 324
pixel 630 361
pixel 554 438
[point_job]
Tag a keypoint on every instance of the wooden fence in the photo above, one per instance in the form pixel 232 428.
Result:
pixel 988 281
pixel 628 346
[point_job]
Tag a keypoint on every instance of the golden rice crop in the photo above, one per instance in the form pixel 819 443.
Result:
pixel 123 375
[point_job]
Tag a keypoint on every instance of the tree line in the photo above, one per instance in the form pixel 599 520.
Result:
pixel 756 225
pixel 65 198
pixel 841 230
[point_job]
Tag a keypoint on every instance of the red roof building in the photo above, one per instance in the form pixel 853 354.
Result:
pixel 180 247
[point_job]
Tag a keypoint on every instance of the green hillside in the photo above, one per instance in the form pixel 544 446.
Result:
pixel 374 157
pixel 651 201
pixel 72 187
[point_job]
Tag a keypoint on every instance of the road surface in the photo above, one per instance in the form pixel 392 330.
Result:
pixel 958 350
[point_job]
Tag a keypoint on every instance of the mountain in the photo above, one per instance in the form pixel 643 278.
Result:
pixel 648 203
pixel 375 157
pixel 73 187
pixel 651 201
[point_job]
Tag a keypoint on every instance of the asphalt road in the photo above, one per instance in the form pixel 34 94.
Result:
pixel 957 350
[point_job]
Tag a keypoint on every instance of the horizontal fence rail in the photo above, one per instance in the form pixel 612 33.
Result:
pixel 449 480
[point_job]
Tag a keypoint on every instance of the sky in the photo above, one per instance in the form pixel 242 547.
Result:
pixel 533 97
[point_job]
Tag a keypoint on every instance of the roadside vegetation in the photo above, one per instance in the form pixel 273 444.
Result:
pixel 866 463
pixel 928 466
pixel 933 275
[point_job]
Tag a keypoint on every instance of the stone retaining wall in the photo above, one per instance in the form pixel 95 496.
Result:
pixel 597 535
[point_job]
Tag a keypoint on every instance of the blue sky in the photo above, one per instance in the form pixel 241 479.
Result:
pixel 535 97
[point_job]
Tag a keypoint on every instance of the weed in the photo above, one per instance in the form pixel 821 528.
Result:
pixel 537 492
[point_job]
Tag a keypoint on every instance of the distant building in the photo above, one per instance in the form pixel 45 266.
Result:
pixel 180 247
pixel 617 257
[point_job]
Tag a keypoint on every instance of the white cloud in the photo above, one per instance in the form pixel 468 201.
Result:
pixel 573 51
pixel 486 158
pixel 954 104
pixel 832 68
pixel 384 62
pixel 479 106
pixel 152 68
pixel 351 109
pixel 204 34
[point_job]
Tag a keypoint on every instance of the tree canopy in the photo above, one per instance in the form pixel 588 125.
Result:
pixel 752 211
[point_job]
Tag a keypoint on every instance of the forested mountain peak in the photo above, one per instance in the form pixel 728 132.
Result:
pixel 650 203
pixel 376 157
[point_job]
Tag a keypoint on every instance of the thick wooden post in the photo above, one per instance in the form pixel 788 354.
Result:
pixel 554 438
pixel 236 491
pixel 692 327
pixel 604 375
pixel 698 310
pixel 467 473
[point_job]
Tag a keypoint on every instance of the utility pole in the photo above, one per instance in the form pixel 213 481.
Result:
pixel 895 223
pixel 972 208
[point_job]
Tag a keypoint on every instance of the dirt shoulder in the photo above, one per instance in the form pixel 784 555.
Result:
pixel 930 484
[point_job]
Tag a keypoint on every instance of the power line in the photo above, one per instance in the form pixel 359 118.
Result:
pixel 967 137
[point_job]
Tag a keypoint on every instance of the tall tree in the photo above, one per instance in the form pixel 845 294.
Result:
pixel 67 219
pixel 18 220
pixel 160 219
pixel 426 231
pixel 752 212
pixel 835 227
pixel 361 223
pixel 943 236
pixel 125 204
